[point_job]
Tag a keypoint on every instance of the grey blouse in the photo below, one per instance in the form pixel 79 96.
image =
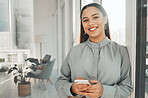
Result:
pixel 105 61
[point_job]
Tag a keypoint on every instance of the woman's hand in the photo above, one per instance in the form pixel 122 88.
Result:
pixel 95 90
pixel 79 88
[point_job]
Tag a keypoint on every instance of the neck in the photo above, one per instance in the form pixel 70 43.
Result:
pixel 98 39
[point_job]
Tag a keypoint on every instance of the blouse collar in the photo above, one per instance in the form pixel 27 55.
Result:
pixel 99 44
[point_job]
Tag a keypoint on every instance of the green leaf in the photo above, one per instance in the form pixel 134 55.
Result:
pixel 14 68
pixel 10 71
pixel 15 80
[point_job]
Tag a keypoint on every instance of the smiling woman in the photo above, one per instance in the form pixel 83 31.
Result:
pixel 94 23
pixel 98 59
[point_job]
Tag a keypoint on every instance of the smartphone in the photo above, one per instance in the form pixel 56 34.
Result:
pixel 81 81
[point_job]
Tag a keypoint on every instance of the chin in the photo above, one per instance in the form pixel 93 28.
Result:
pixel 93 35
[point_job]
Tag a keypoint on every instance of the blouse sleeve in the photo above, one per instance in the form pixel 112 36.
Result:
pixel 63 83
pixel 123 88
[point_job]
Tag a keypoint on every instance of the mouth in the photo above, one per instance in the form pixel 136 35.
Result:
pixel 92 29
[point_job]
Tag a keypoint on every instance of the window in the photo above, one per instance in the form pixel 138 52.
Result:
pixel 146 67
pixel 116 15
pixel 4 24
pixel 63 32
pixel 141 83
pixel 4 16
pixel 85 2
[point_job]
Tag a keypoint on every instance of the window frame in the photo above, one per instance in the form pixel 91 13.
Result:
pixel 141 26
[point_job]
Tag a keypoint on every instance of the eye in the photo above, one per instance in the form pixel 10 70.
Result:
pixel 96 17
pixel 85 20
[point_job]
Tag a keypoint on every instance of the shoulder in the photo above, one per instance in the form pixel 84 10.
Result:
pixel 117 47
pixel 122 48
pixel 124 51
pixel 115 44
pixel 77 49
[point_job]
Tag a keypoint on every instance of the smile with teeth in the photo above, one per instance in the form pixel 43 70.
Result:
pixel 93 29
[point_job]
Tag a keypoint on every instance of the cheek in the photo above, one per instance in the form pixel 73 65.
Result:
pixel 85 27
pixel 101 23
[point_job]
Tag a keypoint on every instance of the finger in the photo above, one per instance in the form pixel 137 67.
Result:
pixel 91 94
pixel 77 91
pixel 74 83
pixel 79 85
pixel 95 86
pixel 94 81
pixel 94 97
pixel 74 88
pixel 82 87
pixel 93 91
pixel 81 92
pixel 87 89
pixel 80 78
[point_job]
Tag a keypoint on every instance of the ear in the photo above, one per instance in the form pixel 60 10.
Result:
pixel 105 19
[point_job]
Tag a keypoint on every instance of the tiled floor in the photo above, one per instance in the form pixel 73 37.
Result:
pixel 9 89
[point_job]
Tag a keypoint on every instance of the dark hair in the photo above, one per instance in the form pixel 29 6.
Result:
pixel 83 35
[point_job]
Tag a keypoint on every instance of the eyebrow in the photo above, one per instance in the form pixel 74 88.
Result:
pixel 84 18
pixel 95 14
pixel 92 15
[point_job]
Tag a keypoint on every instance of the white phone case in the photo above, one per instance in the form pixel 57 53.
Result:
pixel 81 81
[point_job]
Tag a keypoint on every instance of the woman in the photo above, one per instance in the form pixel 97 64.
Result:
pixel 103 62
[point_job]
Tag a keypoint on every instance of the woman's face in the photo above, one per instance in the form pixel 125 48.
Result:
pixel 93 23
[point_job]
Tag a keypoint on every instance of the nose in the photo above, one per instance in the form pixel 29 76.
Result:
pixel 91 22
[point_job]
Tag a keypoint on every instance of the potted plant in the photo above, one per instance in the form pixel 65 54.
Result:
pixel 24 87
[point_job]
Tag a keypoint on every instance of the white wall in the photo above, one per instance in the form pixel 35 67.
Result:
pixel 21 21
pixel 131 37
pixel 76 22
pixel 12 24
pixel 65 29
pixel 44 25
